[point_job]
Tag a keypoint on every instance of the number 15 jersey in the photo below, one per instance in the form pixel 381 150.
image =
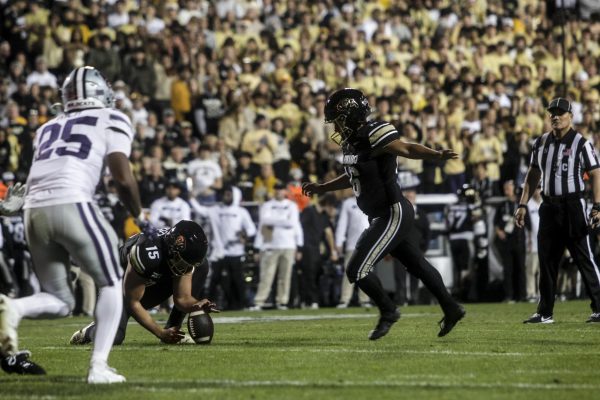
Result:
pixel 373 179
pixel 69 152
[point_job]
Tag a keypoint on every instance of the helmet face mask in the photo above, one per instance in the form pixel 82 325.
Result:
pixel 84 88
pixel 187 246
pixel 348 109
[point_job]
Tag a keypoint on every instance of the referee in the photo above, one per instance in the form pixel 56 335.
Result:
pixel 559 158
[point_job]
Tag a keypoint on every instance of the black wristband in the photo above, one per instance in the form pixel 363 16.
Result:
pixel 522 206
pixel 596 206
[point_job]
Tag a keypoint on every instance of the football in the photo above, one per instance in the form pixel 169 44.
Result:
pixel 200 327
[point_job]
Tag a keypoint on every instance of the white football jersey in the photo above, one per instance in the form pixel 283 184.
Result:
pixel 69 152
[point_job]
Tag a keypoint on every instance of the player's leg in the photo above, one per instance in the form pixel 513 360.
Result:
pixel 382 235
pixel 93 244
pixel 582 253
pixel 56 300
pixel 418 266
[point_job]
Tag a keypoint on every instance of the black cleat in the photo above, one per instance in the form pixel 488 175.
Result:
pixel 594 318
pixel 450 320
pixel 384 324
pixel 19 364
pixel 539 319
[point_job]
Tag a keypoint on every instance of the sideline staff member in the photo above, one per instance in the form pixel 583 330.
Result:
pixel 559 158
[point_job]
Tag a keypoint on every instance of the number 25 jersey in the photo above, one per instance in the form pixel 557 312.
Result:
pixel 69 153
pixel 373 179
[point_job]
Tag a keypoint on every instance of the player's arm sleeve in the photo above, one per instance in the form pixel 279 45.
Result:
pixel 382 134
pixel 119 133
pixel 140 256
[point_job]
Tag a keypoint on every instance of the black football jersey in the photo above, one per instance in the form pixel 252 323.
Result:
pixel 373 179
pixel 460 218
pixel 148 256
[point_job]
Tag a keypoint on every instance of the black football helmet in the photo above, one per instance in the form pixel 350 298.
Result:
pixel 348 108
pixel 187 246
pixel 468 193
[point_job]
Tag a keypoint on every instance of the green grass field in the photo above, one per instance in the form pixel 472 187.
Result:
pixel 325 354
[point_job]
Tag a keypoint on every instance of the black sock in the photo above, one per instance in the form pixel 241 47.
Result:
pixel 371 285
pixel 176 318
pixel 432 280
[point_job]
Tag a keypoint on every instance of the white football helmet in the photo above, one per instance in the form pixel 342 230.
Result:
pixel 85 87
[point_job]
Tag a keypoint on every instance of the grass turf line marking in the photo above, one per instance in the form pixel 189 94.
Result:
pixel 225 347
pixel 227 383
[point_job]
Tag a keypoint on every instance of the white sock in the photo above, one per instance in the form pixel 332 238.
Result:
pixel 108 315
pixel 41 305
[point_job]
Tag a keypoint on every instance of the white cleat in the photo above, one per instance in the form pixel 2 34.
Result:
pixel 9 321
pixel 187 339
pixel 79 337
pixel 104 375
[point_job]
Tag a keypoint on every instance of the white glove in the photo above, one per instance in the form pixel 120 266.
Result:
pixel 14 200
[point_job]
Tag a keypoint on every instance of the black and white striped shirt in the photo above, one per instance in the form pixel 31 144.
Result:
pixel 563 162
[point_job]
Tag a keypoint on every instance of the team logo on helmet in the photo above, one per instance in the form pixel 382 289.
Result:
pixel 346 104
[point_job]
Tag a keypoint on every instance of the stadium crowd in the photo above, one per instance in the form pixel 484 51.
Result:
pixel 230 93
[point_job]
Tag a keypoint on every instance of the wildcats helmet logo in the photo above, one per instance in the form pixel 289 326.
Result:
pixel 180 243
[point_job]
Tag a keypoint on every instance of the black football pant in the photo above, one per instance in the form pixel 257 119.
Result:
pixel 389 234
pixel 512 252
pixel 461 255
pixel 309 266
pixel 557 225
pixel 229 274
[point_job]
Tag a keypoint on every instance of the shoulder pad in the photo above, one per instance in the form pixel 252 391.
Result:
pixel 145 257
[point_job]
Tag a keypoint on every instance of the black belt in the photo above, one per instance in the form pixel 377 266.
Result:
pixel 563 199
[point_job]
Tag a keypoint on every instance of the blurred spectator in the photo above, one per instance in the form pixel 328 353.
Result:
pixel 316 225
pixel 170 209
pixel 153 184
pixel 139 73
pixel 41 75
pixel 511 245
pixel 206 175
pixel 236 228
pixel 246 173
pixel 279 240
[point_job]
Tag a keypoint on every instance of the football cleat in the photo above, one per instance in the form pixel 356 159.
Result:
pixel 384 324
pixel 9 321
pixel 104 375
pixel 594 318
pixel 19 363
pixel 81 336
pixel 539 319
pixel 450 320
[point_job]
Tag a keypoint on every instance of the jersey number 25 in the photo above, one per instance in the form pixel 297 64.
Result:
pixel 52 132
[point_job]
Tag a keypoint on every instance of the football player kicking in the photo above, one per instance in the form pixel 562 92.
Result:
pixel 169 262
pixel 369 151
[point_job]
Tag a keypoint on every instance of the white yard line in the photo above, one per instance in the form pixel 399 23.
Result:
pixel 229 349
pixel 147 385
